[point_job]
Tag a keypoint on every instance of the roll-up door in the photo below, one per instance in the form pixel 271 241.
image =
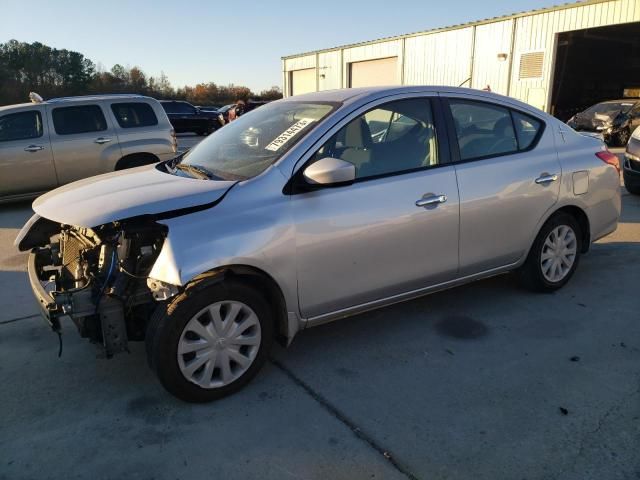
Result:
pixel 369 73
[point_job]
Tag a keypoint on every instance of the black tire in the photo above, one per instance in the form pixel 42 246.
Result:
pixel 200 133
pixel 631 186
pixel 530 273
pixel 167 324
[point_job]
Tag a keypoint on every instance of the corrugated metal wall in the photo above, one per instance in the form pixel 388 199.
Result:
pixel 491 40
pixel 449 57
pixel 439 59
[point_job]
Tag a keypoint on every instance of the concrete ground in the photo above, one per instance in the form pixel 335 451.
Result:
pixel 484 381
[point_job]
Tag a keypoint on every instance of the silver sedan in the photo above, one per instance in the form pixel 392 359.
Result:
pixel 311 209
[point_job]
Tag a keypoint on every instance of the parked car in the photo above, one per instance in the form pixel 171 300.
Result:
pixel 49 143
pixel 186 118
pixel 631 164
pixel 614 119
pixel 223 113
pixel 312 209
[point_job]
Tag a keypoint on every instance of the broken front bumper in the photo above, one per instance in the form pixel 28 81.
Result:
pixel 102 322
pixel 48 306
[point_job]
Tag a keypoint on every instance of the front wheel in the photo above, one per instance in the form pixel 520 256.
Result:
pixel 632 185
pixel 554 256
pixel 210 341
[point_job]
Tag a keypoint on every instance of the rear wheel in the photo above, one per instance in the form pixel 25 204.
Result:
pixel 554 256
pixel 211 341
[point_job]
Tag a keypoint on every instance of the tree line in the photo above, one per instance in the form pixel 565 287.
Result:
pixel 51 72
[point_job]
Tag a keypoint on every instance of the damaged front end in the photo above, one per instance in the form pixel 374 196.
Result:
pixel 97 276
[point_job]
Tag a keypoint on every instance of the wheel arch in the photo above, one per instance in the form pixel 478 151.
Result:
pixel 583 220
pixel 136 160
pixel 286 325
pixel 580 216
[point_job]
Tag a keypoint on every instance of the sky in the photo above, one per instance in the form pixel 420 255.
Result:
pixel 239 42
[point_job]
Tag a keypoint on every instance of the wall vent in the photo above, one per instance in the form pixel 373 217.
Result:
pixel 531 65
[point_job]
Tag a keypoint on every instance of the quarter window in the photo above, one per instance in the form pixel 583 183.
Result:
pixel 82 119
pixel 393 138
pixel 132 115
pixel 20 126
pixel 482 129
pixel 527 129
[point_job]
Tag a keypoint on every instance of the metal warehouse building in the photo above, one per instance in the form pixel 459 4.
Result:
pixel 559 59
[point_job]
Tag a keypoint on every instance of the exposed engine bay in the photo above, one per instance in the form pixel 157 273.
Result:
pixel 98 277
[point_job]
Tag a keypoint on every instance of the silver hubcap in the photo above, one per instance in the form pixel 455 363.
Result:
pixel 558 253
pixel 219 344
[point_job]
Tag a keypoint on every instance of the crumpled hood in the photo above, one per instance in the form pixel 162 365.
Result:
pixel 124 194
pixel 605 117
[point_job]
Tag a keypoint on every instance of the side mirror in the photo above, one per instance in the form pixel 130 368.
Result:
pixel 330 171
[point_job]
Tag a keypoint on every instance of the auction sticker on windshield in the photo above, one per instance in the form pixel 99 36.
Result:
pixel 288 134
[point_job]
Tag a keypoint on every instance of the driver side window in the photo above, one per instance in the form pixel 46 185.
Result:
pixel 393 138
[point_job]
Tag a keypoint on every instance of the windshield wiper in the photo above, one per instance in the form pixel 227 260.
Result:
pixel 199 170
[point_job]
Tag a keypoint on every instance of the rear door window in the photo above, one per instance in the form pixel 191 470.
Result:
pixel 81 119
pixel 483 129
pixel 168 107
pixel 182 107
pixel 132 115
pixel 20 126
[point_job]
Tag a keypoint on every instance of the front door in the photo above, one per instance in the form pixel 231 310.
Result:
pixel 26 162
pixel 395 229
pixel 84 142
pixel 509 178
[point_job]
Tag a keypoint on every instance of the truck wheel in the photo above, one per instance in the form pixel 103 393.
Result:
pixel 210 341
pixel 554 256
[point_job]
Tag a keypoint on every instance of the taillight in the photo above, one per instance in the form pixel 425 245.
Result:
pixel 607 157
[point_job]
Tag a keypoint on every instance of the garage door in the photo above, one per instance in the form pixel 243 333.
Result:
pixel 303 81
pixel 374 72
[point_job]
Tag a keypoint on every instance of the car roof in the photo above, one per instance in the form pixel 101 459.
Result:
pixel 364 94
pixel 79 98
pixel 84 98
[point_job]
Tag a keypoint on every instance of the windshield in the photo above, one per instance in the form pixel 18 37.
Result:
pixel 247 146
pixel 609 108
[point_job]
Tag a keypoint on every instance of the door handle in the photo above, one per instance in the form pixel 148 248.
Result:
pixel 546 178
pixel 431 200
pixel 102 140
pixel 34 148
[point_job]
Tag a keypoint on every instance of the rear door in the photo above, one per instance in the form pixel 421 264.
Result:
pixel 26 160
pixel 395 229
pixel 189 117
pixel 508 175
pixel 83 139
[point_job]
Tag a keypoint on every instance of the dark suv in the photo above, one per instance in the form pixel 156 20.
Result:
pixel 186 118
